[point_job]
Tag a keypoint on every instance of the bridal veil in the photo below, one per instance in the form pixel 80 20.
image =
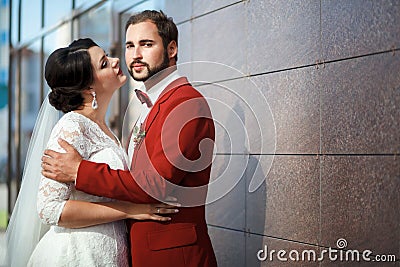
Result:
pixel 25 228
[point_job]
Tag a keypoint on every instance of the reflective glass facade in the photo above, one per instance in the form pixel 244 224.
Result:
pixel 4 119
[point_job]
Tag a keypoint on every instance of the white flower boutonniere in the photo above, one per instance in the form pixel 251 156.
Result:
pixel 138 135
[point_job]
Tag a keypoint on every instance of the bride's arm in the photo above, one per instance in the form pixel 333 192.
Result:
pixel 78 214
pixel 55 207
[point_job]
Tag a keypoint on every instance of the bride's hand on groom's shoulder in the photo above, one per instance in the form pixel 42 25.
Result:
pixel 155 212
pixel 62 167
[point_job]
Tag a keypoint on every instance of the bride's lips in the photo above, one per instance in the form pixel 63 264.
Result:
pixel 119 72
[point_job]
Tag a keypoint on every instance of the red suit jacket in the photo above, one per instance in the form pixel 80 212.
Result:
pixel 170 151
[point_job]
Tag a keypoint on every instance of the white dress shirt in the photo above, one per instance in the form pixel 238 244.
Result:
pixel 153 93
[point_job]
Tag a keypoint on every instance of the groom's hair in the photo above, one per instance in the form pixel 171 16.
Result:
pixel 69 72
pixel 165 25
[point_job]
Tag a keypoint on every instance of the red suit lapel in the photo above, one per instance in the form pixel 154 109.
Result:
pixel 164 96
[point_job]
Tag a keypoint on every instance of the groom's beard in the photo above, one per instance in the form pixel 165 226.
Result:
pixel 150 71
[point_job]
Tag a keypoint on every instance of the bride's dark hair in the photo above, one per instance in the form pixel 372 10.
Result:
pixel 68 72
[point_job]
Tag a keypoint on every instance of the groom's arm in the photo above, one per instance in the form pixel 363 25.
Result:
pixel 90 177
pixel 99 179
pixel 184 145
pixel 176 152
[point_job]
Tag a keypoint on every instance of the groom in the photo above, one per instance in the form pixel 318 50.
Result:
pixel 172 152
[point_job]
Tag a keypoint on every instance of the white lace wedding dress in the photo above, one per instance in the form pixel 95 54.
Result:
pixel 101 245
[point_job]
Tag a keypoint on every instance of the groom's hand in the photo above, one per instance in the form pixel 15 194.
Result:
pixel 62 167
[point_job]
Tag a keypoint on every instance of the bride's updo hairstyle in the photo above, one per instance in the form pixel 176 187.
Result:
pixel 68 73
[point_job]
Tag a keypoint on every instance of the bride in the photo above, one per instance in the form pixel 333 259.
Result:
pixel 85 230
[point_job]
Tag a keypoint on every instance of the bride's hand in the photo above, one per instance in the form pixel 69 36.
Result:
pixel 154 212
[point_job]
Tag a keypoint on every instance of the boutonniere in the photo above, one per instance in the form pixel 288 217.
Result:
pixel 138 135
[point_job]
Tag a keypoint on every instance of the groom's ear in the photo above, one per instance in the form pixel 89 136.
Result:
pixel 172 50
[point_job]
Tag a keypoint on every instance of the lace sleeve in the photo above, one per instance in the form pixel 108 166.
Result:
pixel 53 195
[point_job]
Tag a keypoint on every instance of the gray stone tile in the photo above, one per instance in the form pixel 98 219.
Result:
pixel 256 199
pixel 229 247
pixel 363 27
pixel 205 6
pixel 287 205
pixel 184 43
pixel 282 34
pixel 293 97
pixel 216 40
pixel 360 105
pixel 227 187
pixel 243 120
pixel 268 113
pixel 360 202
pixel 179 10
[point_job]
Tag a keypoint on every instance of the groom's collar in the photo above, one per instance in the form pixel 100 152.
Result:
pixel 155 91
pixel 164 96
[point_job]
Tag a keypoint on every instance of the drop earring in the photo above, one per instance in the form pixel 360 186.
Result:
pixel 94 102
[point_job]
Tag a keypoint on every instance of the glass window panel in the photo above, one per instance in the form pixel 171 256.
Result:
pixel 4 58
pixel 14 126
pixel 13 83
pixel 13 122
pixel 82 4
pixel 3 115
pixel 3 157
pixel 30 93
pixel 59 38
pixel 4 55
pixel 96 24
pixel 14 22
pixel 4 21
pixel 31 18
pixel 56 10
pixel 123 5
pixel 142 5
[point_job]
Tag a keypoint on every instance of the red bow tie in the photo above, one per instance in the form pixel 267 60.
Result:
pixel 143 97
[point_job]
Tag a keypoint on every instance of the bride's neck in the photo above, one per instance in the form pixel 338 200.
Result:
pixel 96 115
